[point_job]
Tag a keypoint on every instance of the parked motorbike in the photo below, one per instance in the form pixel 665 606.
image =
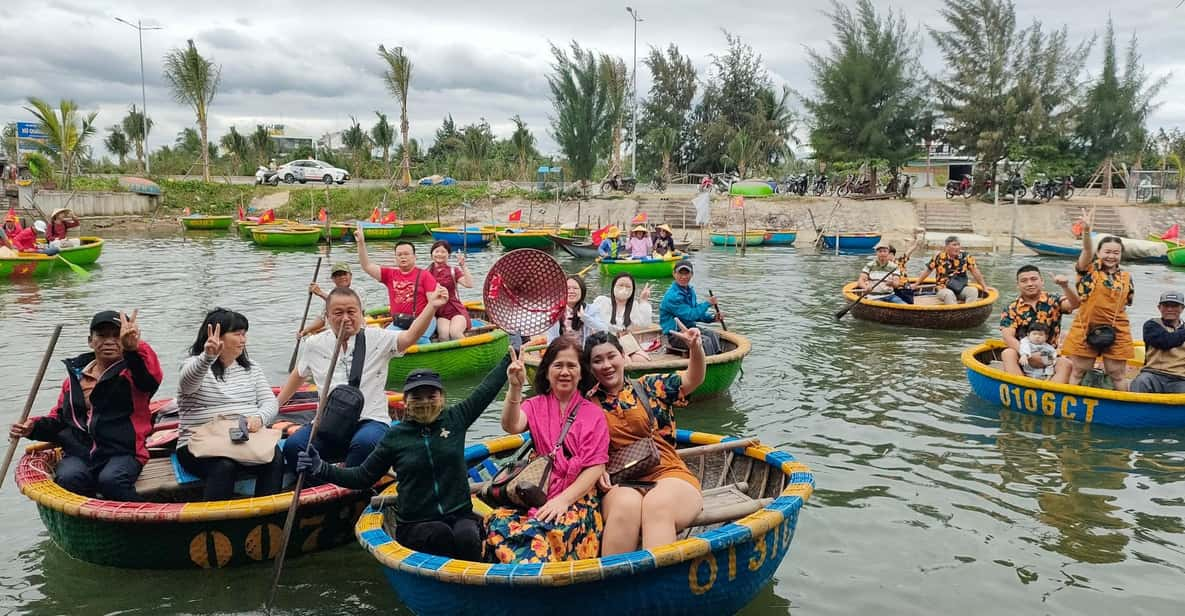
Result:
pixel 617 182
pixel 658 183
pixel 795 185
pixel 959 188
pixel 1065 188
pixel 263 175
pixel 820 185
pixel 723 182
pixel 1015 185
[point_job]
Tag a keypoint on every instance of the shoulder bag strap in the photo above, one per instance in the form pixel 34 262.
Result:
pixel 358 358
pixel 415 292
pixel 567 424
pixel 642 396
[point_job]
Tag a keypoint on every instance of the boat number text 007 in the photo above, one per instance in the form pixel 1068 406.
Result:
pixel 1047 403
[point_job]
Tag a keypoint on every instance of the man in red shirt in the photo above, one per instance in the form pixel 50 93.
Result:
pixel 407 285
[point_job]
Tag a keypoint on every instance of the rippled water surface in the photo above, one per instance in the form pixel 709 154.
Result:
pixel 928 499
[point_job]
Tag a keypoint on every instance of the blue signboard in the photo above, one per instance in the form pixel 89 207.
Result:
pixel 30 130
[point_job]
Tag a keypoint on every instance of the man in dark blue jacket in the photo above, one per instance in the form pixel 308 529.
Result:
pixel 1164 349
pixel 680 303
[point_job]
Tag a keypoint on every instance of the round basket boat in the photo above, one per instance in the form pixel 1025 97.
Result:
pixel 539 240
pixel 27 265
pixel 716 567
pixel 285 236
pixel 87 252
pixel 733 238
pixel 851 241
pixel 245 227
pixel 649 267
pixel 1073 402
pixel 182 535
pixel 751 188
pixel 337 232
pixel 1176 256
pixel 720 372
pixel 475 354
pixel 923 313
pixel 379 231
pixel 781 237
pixel 201 222
pixel 471 237
pixel 414 228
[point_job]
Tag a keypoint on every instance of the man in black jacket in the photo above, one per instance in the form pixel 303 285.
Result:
pixel 1164 349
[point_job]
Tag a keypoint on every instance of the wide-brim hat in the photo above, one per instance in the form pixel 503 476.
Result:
pixel 641 228
pixel 60 210
pixel 665 227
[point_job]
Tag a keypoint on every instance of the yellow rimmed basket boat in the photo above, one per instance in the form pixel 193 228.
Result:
pixel 202 222
pixel 88 250
pixel 646 267
pixel 1073 402
pixel 475 354
pixel 925 312
pixel 265 235
pixel 753 496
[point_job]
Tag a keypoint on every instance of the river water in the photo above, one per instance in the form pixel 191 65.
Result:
pixel 928 499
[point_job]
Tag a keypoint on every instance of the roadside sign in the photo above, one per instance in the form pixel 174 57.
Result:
pixel 29 135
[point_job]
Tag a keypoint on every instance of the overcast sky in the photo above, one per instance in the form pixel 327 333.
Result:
pixel 310 65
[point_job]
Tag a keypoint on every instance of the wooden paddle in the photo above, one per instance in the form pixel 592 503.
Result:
pixel 722 325
pixel 291 519
pixel 12 442
pixel 82 273
pixel 839 315
pixel 584 271
pixel 304 320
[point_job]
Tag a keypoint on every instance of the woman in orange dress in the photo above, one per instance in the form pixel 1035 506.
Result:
pixel 1106 291
pixel 667 498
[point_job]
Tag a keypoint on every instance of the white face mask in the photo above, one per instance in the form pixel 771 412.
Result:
pixel 622 294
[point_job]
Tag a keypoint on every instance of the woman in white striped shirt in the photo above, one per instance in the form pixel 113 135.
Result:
pixel 219 379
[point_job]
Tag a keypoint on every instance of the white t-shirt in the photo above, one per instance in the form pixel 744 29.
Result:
pixel 381 346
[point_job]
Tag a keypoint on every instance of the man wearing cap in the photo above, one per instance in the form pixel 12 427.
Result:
pixel 365 357
pixel 881 276
pixel 640 245
pixel 1164 349
pixel 102 416
pixel 610 247
pixel 342 279
pixel 680 302
pixel 951 267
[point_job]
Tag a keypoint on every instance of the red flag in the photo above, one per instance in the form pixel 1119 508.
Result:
pixel 516 216
pixel 242 214
pixel 322 215
pixel 374 216
pixel 639 219
pixel 390 218
pixel 599 235
pixel 268 216
pixel 738 202
pixel 1172 234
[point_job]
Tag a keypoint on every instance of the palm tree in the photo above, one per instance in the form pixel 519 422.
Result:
pixel 133 126
pixel 773 124
pixel 663 139
pixel 67 132
pixel 194 81
pixel 237 145
pixel 743 149
pixel 398 80
pixel 616 83
pixel 581 124
pixel 358 142
pixel 475 142
pixel 261 142
pixel 523 141
pixel 383 135
pixel 117 144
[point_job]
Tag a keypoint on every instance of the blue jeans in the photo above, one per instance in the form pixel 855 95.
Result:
pixel 366 437
pixel 425 339
pixel 114 478
pixel 893 299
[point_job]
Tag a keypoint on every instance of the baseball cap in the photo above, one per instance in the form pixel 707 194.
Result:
pixel 105 317
pixel 422 378
pixel 340 267
pixel 685 265
pixel 1172 297
pixel 884 245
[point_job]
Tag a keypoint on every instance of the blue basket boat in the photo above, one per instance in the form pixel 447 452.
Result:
pixel 1073 402
pixel 852 241
pixel 781 237
pixel 473 237
pixel 716 567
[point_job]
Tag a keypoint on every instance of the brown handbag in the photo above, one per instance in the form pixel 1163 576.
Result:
pixel 639 457
pixel 523 482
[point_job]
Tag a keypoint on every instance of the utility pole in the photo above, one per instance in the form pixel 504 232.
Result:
pixel 634 115
pixel 140 28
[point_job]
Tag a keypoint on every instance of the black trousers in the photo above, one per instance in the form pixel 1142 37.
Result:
pixel 220 474
pixel 114 478
pixel 709 339
pixel 455 536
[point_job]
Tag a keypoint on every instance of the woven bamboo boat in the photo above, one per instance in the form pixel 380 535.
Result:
pixel 851 241
pixel 288 236
pixel 753 495
pixel 530 238
pixel 1074 402
pixel 475 354
pixel 781 237
pixel 1176 256
pixel 245 227
pixel 201 222
pixel 472 237
pixel 721 370
pixel 925 312
pixel 580 249
pixel 649 267
pixel 379 231
pixel 86 253
pixel 753 237
pixel 414 228
pixel 1152 237
pixel 338 231
pixel 27 265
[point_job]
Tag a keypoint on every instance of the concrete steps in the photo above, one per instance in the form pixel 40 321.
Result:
pixel 1106 220
pixel 676 212
pixel 946 217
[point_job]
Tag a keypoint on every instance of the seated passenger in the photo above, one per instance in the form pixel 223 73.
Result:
pixel 1164 349
pixel 433 510
pixel 452 319
pixel 218 379
pixel 881 276
pixel 102 417
pixel 579 319
pixel 1035 346
pixel 665 499
pixel 664 244
pixel 572 430
pixel 610 248
pixel 407 285
pixel 640 245
pixel 951 267
pixel 627 313
pixel 680 304
pixel 364 367
pixel 1032 306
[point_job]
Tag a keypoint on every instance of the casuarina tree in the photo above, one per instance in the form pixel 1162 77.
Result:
pixel 580 100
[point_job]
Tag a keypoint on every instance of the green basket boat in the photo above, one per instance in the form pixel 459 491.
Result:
pixel 27 265
pixel 86 253
pixel 201 222
pixel 729 238
pixel 245 227
pixel 374 231
pixel 473 355
pixel 338 231
pixel 538 240
pixel 662 267
pixel 415 228
pixel 1176 256
pixel 722 368
pixel 286 236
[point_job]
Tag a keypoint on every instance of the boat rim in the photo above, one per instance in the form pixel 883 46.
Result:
pixel 743 346
pixel 992 295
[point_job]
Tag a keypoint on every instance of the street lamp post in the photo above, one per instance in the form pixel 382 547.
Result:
pixel 634 115
pixel 140 28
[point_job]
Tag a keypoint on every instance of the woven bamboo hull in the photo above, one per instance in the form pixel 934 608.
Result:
pixel 1073 402
pixel 526 239
pixel 375 231
pixel 781 237
pixel 716 571
pixel 472 356
pixel 86 254
pixel 185 535
pixel 852 241
pixel 286 237
pixel 641 268
pixel 458 238
pixel 207 223
pixel 1176 256
pixel 413 228
pixel 954 316
pixel 246 227
pixel 26 266
pixel 752 238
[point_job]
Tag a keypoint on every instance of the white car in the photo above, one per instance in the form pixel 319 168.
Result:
pixel 311 170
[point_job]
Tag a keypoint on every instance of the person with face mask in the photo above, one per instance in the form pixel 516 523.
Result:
pixel 426 449
pixel 347 431
pixel 628 311
pixel 102 416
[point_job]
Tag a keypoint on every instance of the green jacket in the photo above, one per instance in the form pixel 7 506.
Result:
pixel 429 460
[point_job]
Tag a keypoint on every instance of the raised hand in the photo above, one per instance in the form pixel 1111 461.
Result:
pixel 439 297
pixel 516 372
pixel 129 331
pixel 214 345
pixel 1087 220
pixel 358 235
pixel 645 294
pixel 690 336
pixel 1061 280
pixel 460 259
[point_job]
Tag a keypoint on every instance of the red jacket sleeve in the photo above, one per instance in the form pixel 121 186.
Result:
pixel 144 368
pixel 46 428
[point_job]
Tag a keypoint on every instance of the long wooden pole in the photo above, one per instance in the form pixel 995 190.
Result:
pixel 291 519
pixel 304 319
pixel 12 442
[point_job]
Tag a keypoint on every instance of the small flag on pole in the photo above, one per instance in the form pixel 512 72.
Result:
pixel 516 216
pixel 322 215
pixel 738 202
pixel 1172 233
pixel 268 217
pixel 390 218
pixel 374 216
pixel 640 219
pixel 242 214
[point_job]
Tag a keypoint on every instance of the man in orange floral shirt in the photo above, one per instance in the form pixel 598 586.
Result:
pixel 1036 306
